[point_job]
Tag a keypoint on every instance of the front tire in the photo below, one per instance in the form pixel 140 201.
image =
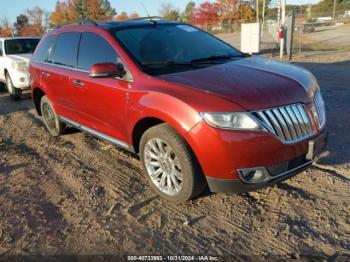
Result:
pixel 15 93
pixel 170 165
pixel 50 118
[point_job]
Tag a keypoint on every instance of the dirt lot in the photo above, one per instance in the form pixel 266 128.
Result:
pixel 77 195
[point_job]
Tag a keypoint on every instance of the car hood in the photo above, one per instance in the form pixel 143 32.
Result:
pixel 21 57
pixel 253 82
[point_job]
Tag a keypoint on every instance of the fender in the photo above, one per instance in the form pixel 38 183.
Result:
pixel 162 106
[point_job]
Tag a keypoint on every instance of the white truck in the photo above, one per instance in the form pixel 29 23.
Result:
pixel 15 54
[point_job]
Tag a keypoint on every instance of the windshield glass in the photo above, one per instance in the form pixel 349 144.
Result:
pixel 20 46
pixel 164 49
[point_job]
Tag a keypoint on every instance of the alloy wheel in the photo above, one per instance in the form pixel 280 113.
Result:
pixel 49 116
pixel 163 166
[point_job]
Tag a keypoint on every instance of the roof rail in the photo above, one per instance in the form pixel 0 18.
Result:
pixel 147 18
pixel 87 22
pixel 79 22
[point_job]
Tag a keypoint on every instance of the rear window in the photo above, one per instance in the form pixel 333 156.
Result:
pixel 66 48
pixel 20 46
pixel 44 49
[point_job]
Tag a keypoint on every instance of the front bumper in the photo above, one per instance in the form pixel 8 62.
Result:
pixel 20 79
pixel 221 153
pixel 277 173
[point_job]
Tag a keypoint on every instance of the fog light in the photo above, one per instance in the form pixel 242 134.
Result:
pixel 254 175
pixel 22 79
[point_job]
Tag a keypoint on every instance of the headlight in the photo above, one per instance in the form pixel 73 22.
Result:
pixel 235 121
pixel 320 108
pixel 20 65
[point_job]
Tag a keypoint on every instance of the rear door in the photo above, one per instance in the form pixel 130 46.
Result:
pixel 101 102
pixel 57 70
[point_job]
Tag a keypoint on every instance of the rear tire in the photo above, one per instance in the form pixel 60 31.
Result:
pixel 2 87
pixel 170 165
pixel 50 118
pixel 15 93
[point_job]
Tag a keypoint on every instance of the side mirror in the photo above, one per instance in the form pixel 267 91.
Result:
pixel 105 70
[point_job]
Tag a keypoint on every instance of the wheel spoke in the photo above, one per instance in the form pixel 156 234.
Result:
pixel 178 174
pixel 169 183
pixel 162 181
pixel 150 153
pixel 154 163
pixel 156 174
pixel 154 148
pixel 175 182
pixel 160 146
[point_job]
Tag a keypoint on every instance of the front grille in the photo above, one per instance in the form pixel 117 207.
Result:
pixel 290 123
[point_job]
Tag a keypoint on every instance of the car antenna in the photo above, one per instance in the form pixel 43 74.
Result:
pixel 149 17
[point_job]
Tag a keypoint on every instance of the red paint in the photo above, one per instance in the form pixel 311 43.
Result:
pixel 114 107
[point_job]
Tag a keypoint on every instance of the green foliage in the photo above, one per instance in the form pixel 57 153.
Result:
pixel 187 14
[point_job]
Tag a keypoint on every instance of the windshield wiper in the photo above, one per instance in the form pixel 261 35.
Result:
pixel 167 63
pixel 212 59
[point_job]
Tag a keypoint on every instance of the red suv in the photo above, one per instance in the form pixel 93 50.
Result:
pixel 196 110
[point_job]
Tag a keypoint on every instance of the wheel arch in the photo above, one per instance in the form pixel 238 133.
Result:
pixel 38 93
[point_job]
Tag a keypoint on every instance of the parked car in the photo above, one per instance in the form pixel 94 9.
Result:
pixel 196 110
pixel 15 54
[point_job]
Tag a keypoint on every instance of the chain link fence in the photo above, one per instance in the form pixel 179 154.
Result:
pixel 311 32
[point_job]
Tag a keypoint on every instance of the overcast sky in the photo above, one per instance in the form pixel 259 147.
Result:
pixel 11 8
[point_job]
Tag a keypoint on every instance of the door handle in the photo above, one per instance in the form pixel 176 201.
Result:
pixel 78 83
pixel 45 74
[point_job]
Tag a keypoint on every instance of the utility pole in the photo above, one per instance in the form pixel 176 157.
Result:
pixel 257 11
pixel 263 18
pixel 334 5
pixel 283 20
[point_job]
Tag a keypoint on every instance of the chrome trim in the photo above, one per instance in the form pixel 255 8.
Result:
pixel 98 134
pixel 290 123
pixel 275 124
pixel 283 124
pixel 80 70
pixel 267 122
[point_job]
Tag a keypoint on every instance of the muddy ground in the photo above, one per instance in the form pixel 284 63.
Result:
pixel 77 195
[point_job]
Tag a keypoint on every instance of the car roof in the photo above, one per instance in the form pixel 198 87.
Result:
pixel 134 23
pixel 115 24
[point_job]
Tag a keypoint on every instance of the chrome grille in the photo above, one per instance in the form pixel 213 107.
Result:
pixel 290 123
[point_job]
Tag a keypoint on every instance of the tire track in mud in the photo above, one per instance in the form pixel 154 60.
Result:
pixel 117 157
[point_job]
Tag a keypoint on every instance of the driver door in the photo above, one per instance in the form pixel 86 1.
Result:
pixel 100 102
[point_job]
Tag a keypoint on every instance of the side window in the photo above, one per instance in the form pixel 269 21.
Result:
pixel 95 49
pixel 66 48
pixel 44 49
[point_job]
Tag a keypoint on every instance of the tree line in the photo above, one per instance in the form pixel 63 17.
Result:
pixel 36 21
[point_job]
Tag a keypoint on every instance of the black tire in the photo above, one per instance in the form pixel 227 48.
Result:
pixel 15 93
pixel 193 182
pixel 2 87
pixel 50 118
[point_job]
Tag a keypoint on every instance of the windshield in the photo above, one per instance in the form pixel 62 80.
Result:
pixel 20 46
pixel 164 49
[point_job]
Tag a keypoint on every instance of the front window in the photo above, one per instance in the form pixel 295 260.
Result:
pixel 20 46
pixel 170 48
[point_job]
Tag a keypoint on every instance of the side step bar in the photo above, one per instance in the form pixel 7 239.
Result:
pixel 98 134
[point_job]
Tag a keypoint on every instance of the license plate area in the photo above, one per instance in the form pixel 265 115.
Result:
pixel 316 146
